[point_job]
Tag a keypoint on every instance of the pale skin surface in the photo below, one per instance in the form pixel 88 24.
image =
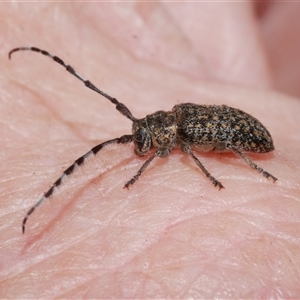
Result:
pixel 172 235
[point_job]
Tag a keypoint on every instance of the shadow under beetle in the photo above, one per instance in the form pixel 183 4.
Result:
pixel 188 126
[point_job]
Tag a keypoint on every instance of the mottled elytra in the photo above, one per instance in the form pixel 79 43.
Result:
pixel 188 126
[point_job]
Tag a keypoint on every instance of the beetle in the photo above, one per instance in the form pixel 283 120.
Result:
pixel 187 126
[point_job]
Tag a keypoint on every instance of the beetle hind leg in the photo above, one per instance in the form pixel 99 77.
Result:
pixel 252 164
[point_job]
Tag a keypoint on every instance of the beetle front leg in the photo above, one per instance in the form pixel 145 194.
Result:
pixel 140 171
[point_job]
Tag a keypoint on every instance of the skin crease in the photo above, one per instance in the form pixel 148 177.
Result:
pixel 172 235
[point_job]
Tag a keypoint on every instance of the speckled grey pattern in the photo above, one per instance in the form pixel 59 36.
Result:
pixel 220 127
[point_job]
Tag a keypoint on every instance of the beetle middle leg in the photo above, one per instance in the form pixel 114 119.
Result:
pixel 187 149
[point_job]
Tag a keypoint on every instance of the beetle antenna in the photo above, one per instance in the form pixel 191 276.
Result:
pixel 122 108
pixel 125 139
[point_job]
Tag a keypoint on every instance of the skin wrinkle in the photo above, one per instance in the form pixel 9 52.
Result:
pixel 73 290
pixel 188 42
pixel 53 111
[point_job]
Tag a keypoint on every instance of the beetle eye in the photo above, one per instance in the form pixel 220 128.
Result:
pixel 140 136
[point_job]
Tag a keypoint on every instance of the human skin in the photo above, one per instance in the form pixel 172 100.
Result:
pixel 172 234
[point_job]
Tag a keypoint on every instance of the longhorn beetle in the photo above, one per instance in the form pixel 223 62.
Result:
pixel 188 126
